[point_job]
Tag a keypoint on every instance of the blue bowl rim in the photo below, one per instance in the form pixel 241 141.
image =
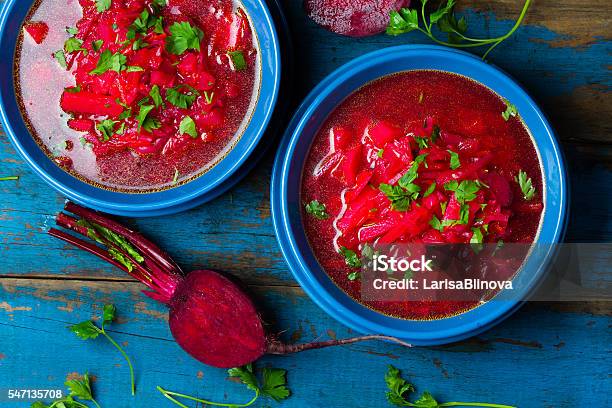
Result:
pixel 174 197
pixel 418 332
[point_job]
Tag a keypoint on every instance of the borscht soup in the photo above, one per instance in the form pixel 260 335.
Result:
pixel 419 157
pixel 137 95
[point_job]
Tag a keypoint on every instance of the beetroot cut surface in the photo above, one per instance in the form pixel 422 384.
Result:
pixel 354 18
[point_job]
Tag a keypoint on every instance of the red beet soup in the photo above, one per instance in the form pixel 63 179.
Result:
pixel 418 157
pixel 137 95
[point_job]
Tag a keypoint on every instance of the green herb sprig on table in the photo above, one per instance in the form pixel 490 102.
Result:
pixel 399 391
pixel 79 388
pixel 419 18
pixel 273 384
pixel 88 330
pixel 9 178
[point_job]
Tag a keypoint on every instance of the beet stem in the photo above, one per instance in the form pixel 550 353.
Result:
pixel 276 347
pixel 86 246
pixel 144 245
pixel 139 272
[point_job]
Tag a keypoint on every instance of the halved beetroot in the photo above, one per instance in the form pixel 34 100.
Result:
pixel 37 30
pixel 354 18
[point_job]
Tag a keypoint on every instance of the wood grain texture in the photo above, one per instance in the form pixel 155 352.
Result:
pixel 546 355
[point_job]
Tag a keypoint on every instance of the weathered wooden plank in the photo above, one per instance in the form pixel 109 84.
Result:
pixel 234 233
pixel 521 362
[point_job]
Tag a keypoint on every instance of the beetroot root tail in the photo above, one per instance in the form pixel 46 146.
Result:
pixel 277 347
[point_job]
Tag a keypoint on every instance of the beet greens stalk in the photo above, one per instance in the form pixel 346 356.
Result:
pixel 209 315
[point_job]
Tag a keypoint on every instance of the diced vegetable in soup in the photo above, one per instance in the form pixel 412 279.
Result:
pixel 137 95
pixel 418 157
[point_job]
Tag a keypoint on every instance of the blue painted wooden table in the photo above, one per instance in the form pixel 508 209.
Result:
pixel 546 355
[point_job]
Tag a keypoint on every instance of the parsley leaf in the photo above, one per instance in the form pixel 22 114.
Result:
pixel 103 5
pixel 109 62
pixel 78 388
pixel 397 386
pixel 60 57
pixel 317 210
pixel 454 160
pixel 188 126
pixel 183 36
pixel 156 96
pixel 403 21
pixel 430 190
pixel 85 330
pixel 274 384
pixel 246 375
pixel 106 128
pixel 108 315
pixel 238 60
pixel 406 20
pixel 96 45
pixel 399 390
pixel 73 44
pixel 510 111
pixel 350 257
pixel 179 99
pixel 436 224
pixel 526 185
pixel 88 330
pixel 464 191
pixel 142 115
pixel 477 239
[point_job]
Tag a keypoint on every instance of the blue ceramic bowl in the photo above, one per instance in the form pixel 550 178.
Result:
pixel 286 180
pixel 204 188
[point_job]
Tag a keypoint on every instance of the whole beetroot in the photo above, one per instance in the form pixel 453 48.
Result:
pixel 354 18
pixel 210 316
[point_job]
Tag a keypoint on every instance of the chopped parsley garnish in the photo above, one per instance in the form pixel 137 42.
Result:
pixel 464 191
pixel 156 96
pixel 188 126
pixel 405 191
pixel 422 142
pixel 510 111
pixel 430 190
pixel 106 128
pixel 317 210
pixel 179 99
pixel 526 185
pixel 109 62
pixel 436 224
pixel 72 31
pixel 477 239
pixel 60 57
pixel 238 60
pixel 454 160
pixel 103 5
pixel 350 257
pixel 176 176
pixel 380 152
pixel 73 44
pixel 183 36
pixel 143 114
pixel 96 45
pixel 133 68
